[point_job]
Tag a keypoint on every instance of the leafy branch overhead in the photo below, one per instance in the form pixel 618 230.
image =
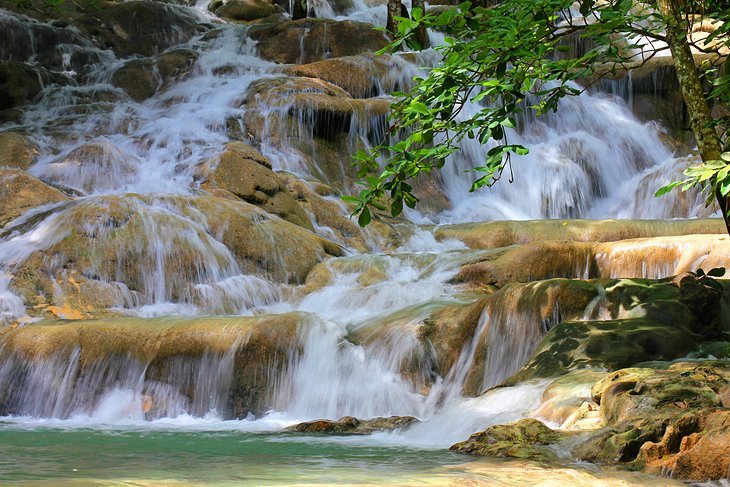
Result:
pixel 500 64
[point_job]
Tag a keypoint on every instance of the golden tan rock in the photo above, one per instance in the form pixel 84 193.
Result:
pixel 16 151
pixel 20 192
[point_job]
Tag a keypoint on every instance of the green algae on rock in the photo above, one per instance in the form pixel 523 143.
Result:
pixel 526 439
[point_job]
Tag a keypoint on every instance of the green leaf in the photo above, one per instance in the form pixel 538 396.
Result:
pixel 666 189
pixel 364 217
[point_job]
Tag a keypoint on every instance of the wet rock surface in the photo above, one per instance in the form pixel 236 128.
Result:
pixel 527 439
pixel 354 426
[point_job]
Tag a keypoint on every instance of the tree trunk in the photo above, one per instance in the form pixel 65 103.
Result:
pixel 421 31
pixel 694 96
pixel 393 12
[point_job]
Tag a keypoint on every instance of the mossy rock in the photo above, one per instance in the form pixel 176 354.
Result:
pixel 525 439
pixel 354 426
pixel 663 420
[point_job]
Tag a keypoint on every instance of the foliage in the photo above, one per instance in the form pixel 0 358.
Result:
pixel 510 61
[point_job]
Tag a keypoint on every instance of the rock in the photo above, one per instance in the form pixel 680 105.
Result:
pixel 20 192
pixel 355 426
pixel 247 174
pixel 327 211
pixel 167 353
pixel 448 330
pixel 309 40
pixel 93 166
pixel 494 234
pixel 24 39
pixel 245 10
pixel 642 321
pixel 664 421
pixel 16 151
pixel 20 83
pixel 362 76
pixel 104 243
pixel 703 455
pixel 567 400
pixel 138 78
pixel 655 258
pixel 318 120
pixel 175 64
pixel 525 439
pixel 143 28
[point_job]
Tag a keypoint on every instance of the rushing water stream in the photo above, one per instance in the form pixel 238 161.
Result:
pixel 78 411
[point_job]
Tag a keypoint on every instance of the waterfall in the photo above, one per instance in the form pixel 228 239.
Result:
pixel 347 335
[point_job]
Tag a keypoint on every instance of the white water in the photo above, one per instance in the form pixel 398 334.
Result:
pixel 94 139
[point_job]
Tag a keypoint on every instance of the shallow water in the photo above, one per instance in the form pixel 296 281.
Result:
pixel 170 457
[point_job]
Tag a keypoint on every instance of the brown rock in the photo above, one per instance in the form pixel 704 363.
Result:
pixel 246 10
pixel 16 151
pixel 19 192
pixel 319 39
pixel 244 172
pixel 351 425
pixel 138 78
pixel 175 64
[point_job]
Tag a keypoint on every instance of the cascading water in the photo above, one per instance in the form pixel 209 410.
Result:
pixel 358 346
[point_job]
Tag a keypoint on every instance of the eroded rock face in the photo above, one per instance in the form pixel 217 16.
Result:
pixel 664 420
pixel 245 173
pixel 354 426
pixel 20 192
pixel 309 40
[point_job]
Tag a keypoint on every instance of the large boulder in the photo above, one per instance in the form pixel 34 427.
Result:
pixel 309 40
pixel 143 28
pixel 16 151
pixel 635 321
pixel 319 124
pixel 21 82
pixel 526 439
pixel 138 78
pixel 245 10
pixel 56 46
pixel 245 173
pixel 175 64
pixel 654 258
pixel 20 192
